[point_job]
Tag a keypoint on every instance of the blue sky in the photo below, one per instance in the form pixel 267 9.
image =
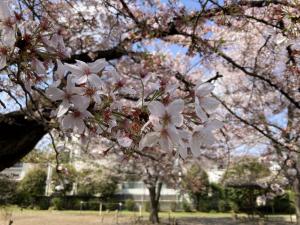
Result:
pixel 192 4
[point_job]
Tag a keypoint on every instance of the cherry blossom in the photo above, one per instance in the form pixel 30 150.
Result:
pixel 87 72
pixel 70 95
pixel 184 144
pixel 59 74
pixel 38 67
pixel 56 44
pixel 165 136
pixel 204 104
pixel 123 140
pixel 7 25
pixel 203 137
pixel 75 119
pixel 164 120
pixel 168 115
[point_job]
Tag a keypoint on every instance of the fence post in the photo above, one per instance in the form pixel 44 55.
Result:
pixel 140 209
pixel 117 216
pixel 81 204
pixel 100 209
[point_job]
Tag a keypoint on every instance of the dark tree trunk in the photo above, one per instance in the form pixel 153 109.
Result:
pixel 18 136
pixel 154 202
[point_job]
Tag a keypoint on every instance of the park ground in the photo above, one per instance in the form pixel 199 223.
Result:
pixel 36 217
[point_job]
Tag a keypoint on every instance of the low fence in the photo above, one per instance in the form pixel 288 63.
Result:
pixel 93 203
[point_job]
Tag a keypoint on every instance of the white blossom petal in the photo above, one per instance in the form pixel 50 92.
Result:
pixel 70 83
pixel 204 89
pixel 63 108
pixel 86 114
pixel 9 38
pixel 67 122
pixel 156 108
pixel 199 111
pixel 97 66
pixel 74 69
pixel 177 120
pixel 124 141
pixel 209 104
pixel 61 71
pixel 176 106
pixel 79 125
pixel 80 102
pixel 213 125
pixel 183 151
pixel 149 140
pixel 165 143
pixel 95 81
pixel 128 90
pixel 38 66
pixel 55 94
pixel 184 134
pixel 4 10
pixel 2 62
pixel 205 136
pixel 77 91
pixel 97 98
pixel 195 145
pixel 173 135
pixel 81 79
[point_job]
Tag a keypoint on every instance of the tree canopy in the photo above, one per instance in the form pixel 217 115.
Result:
pixel 146 75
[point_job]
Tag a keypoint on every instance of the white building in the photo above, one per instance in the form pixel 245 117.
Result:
pixel 18 171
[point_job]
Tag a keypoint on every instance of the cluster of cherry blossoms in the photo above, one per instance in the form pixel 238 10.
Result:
pixel 169 125
pixel 8 29
pixel 98 98
pixel 83 86
pixel 87 105
pixel 92 100
pixel 24 41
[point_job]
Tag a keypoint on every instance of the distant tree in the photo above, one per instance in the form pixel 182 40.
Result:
pixel 34 182
pixel 246 170
pixel 244 180
pixel 93 182
pixel 155 170
pixel 195 182
pixel 8 189
pixel 38 156
pixel 32 185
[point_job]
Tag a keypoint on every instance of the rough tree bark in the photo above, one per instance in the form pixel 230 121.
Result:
pixel 154 192
pixel 18 136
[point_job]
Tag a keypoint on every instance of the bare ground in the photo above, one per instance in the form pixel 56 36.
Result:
pixel 71 218
pixel 229 221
